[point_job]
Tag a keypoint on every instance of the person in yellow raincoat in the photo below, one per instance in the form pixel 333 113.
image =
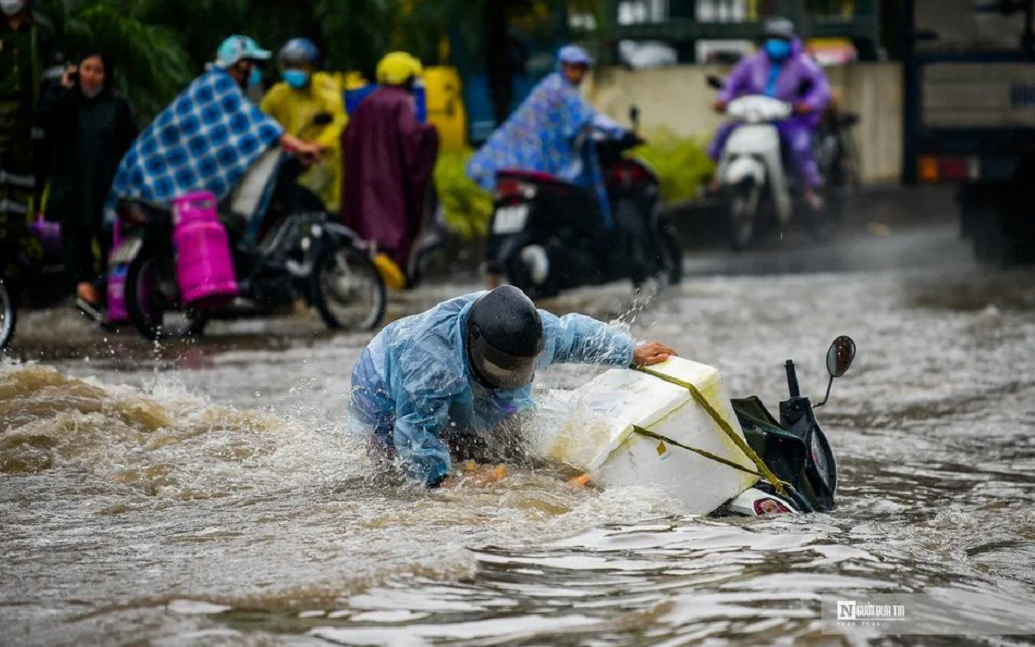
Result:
pixel 295 102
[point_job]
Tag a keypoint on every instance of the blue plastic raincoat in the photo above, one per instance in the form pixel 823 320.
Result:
pixel 204 140
pixel 412 384
pixel 548 133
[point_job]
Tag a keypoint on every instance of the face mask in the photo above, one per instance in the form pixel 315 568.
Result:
pixel 91 94
pixel 297 79
pixel 11 7
pixel 255 78
pixel 777 49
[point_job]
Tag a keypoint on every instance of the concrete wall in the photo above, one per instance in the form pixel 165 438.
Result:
pixel 678 98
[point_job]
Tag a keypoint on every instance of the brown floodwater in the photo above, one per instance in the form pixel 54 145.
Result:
pixel 210 493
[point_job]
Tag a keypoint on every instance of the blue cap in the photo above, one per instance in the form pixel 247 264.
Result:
pixel 574 55
pixel 237 48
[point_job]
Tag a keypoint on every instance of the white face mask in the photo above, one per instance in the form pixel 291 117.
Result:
pixel 12 7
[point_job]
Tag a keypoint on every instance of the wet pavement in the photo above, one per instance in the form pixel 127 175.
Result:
pixel 209 493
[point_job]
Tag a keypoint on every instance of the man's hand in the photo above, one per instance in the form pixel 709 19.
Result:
pixel 802 108
pixel 652 352
pixel 68 78
pixel 473 474
pixel 720 106
pixel 310 153
pixel 307 152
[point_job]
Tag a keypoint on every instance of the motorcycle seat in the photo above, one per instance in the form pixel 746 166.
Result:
pixel 847 119
pixel 537 177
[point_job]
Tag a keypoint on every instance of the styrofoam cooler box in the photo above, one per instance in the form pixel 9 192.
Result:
pixel 597 434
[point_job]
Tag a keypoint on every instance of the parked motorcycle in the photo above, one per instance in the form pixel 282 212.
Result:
pixel 794 448
pixel 297 252
pixel 8 315
pixel 547 235
pixel 753 176
pixel 836 153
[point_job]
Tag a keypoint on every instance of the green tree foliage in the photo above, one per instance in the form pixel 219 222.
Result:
pixel 680 162
pixel 151 63
pixel 160 45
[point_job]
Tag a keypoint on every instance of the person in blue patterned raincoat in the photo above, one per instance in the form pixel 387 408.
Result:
pixel 447 378
pixel 207 137
pixel 549 133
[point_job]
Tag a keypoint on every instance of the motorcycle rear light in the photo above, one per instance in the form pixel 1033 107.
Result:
pixel 973 168
pixel 770 506
pixel 927 169
pixel 626 174
pixel 508 188
pixel 948 169
pixel 952 169
pixel 513 188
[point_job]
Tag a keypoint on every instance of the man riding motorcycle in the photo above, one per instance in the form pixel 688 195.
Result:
pixel 783 71
pixel 549 133
pixel 207 138
pixel 303 94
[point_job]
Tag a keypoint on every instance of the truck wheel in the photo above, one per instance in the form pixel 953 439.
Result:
pixel 993 249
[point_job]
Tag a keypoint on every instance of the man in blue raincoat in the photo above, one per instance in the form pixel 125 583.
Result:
pixel 441 378
pixel 548 133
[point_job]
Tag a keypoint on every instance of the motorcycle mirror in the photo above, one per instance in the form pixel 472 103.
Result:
pixel 714 82
pixel 322 119
pixel 840 356
pixel 634 116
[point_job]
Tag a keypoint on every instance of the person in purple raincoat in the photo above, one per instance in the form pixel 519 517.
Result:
pixel 783 71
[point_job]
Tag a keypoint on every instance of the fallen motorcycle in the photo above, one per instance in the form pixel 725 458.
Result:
pixel 671 427
pixel 794 449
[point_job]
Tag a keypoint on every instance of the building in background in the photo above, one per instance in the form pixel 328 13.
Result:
pixel 702 31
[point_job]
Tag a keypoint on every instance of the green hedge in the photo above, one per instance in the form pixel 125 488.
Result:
pixel 467 207
pixel 680 162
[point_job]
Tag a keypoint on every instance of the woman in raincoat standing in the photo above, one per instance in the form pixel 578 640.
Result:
pixel 389 160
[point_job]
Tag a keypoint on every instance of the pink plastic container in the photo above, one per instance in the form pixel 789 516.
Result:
pixel 204 268
pixel 117 312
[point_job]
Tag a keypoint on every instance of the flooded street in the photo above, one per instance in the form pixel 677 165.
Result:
pixel 210 493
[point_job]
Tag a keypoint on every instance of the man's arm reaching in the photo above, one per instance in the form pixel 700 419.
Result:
pixel 578 339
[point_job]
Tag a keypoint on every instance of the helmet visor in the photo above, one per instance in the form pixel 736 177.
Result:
pixel 502 370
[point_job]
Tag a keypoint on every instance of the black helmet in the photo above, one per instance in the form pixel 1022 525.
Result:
pixel 504 339
pixel 778 28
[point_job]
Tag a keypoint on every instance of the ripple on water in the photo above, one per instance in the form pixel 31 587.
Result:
pixel 146 505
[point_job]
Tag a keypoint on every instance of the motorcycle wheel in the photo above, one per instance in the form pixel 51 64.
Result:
pixel 671 251
pixel 743 203
pixel 152 301
pixel 8 316
pixel 825 223
pixel 347 289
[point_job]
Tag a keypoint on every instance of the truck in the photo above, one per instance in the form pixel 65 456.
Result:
pixel 969 118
